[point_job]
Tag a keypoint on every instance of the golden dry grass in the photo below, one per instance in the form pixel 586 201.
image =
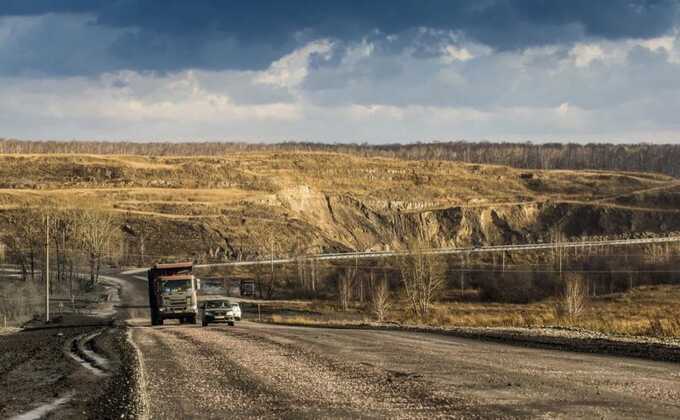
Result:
pixel 648 310
pixel 645 311
pixel 269 185
pixel 258 176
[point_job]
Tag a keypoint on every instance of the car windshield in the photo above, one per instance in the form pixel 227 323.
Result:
pixel 176 286
pixel 217 304
pixel 234 305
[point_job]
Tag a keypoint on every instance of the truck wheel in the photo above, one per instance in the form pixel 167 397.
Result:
pixel 192 319
pixel 155 318
pixel 204 323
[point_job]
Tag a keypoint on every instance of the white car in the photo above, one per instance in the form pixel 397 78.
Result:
pixel 236 309
pixel 217 310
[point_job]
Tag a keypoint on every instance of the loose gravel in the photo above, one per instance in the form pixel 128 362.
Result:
pixel 234 373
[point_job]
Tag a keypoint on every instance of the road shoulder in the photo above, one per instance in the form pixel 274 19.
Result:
pixel 564 339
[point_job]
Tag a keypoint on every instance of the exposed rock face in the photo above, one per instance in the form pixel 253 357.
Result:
pixel 341 223
pixel 354 225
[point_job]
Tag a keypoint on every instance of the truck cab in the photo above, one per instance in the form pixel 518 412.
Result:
pixel 172 293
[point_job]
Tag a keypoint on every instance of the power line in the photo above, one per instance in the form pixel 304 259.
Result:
pixel 454 250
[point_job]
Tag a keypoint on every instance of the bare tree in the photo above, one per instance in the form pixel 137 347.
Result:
pixel 422 276
pixel 380 298
pixel 573 298
pixel 62 233
pixel 345 284
pixel 96 231
pixel 312 275
pixel 263 282
pixel 26 239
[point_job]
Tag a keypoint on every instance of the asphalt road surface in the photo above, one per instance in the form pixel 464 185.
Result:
pixel 256 370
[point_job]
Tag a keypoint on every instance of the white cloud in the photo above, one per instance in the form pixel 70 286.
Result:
pixel 628 90
pixel 291 70
pixel 451 53
pixel 170 98
pixel 654 44
pixel 584 54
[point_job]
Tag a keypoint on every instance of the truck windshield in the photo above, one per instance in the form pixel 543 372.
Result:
pixel 176 286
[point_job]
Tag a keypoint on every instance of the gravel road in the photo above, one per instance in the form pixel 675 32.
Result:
pixel 262 370
pixel 258 370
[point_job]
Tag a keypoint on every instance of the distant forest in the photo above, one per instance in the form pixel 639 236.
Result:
pixel 663 158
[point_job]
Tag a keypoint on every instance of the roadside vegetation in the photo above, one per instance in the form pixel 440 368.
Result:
pixel 643 311
pixel 80 241
pixel 630 292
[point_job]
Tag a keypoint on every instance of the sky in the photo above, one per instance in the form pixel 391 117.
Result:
pixel 374 71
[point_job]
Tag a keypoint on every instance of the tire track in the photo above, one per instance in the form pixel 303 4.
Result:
pixel 324 387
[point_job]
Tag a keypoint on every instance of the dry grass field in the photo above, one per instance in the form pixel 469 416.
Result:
pixel 645 311
pixel 135 183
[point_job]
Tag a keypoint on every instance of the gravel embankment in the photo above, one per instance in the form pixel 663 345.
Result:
pixel 119 396
pixel 558 338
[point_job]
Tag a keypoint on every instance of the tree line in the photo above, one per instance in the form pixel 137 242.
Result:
pixel 566 276
pixel 78 239
pixel 80 242
pixel 642 157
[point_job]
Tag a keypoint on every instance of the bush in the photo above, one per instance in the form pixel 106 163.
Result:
pixel 380 299
pixel 572 301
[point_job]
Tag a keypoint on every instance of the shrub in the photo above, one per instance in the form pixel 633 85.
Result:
pixel 573 299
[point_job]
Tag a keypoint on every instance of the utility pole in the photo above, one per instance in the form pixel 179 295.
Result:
pixel 47 268
pixel 462 278
pixel 271 285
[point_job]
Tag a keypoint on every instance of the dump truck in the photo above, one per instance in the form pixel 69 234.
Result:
pixel 172 293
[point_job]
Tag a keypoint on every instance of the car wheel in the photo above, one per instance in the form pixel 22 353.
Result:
pixel 204 323
pixel 230 323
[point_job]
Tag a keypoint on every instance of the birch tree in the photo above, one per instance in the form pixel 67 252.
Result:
pixel 96 232
pixel 422 276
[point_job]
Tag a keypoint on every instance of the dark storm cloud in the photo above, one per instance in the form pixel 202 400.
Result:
pixel 167 35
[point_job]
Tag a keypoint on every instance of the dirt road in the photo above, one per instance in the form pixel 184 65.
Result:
pixel 261 370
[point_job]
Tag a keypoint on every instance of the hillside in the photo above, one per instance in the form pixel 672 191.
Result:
pixel 237 205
